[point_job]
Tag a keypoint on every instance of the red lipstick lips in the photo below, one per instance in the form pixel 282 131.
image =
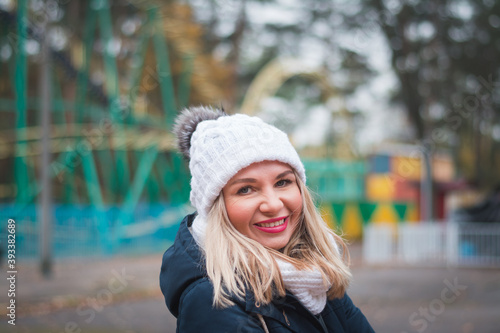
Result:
pixel 273 225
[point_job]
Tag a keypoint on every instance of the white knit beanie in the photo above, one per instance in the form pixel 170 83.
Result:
pixel 218 146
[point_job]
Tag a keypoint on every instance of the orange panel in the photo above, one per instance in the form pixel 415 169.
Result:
pixel 406 167
pixel 379 187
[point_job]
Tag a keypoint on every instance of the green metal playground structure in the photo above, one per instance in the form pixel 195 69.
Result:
pixel 105 147
pixel 104 154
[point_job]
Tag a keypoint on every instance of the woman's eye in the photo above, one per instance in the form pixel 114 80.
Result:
pixel 283 182
pixel 244 190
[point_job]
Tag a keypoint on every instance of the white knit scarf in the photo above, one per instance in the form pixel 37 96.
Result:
pixel 308 285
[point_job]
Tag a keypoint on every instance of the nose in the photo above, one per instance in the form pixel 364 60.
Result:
pixel 271 203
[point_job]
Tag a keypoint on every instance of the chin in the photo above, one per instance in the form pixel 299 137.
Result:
pixel 276 245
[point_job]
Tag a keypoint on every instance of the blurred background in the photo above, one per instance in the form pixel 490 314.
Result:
pixel 394 107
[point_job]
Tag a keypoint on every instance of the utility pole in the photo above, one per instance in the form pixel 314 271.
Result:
pixel 426 193
pixel 46 211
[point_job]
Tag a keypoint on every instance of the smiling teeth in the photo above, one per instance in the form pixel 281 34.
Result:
pixel 273 224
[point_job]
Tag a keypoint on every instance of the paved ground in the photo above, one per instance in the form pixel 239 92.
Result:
pixel 122 295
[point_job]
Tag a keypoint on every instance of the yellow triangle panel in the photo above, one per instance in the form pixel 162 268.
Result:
pixel 385 214
pixel 328 216
pixel 352 224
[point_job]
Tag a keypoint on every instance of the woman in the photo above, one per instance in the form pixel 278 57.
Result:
pixel 256 257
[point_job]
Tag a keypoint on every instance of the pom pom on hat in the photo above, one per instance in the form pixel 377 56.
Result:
pixel 186 123
pixel 218 146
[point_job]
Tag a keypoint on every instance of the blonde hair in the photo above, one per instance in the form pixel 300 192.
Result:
pixel 236 263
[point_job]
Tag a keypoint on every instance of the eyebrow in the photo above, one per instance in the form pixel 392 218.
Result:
pixel 253 180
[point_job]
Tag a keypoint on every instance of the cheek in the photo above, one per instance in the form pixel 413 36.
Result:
pixel 239 213
pixel 296 201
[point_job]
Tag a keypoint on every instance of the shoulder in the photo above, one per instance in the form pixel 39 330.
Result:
pixel 200 292
pixel 182 264
pixel 197 313
pixel 349 315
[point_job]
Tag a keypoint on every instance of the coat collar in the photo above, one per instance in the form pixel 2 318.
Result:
pixel 288 311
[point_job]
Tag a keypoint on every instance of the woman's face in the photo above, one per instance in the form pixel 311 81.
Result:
pixel 263 202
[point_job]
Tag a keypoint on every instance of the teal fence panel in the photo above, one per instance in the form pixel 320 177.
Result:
pixel 77 231
pixel 335 180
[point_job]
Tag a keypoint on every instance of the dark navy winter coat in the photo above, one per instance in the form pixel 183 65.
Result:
pixel 189 293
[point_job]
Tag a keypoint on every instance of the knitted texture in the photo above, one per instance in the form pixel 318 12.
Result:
pixel 222 147
pixel 307 286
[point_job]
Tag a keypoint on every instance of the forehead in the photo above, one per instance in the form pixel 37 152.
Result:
pixel 263 169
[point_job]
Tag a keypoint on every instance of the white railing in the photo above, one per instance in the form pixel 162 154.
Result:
pixel 433 244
